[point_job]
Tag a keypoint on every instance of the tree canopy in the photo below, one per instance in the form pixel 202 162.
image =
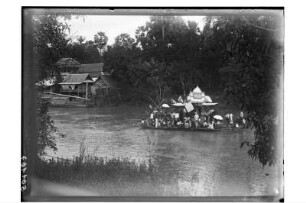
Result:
pixel 49 40
pixel 100 40
pixel 124 40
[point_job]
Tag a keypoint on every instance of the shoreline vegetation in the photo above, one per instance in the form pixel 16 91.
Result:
pixel 99 176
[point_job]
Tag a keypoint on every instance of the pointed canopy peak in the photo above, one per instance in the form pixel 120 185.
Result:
pixel 197 90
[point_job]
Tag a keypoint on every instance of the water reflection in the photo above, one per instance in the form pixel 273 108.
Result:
pixel 201 163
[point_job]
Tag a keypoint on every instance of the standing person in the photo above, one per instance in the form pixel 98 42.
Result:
pixel 156 123
pixel 196 119
pixel 227 118
pixel 242 119
pixel 231 121
pixel 182 115
pixel 211 125
pixel 241 114
pixel 211 114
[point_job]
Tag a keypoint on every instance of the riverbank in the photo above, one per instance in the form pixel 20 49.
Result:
pixel 115 177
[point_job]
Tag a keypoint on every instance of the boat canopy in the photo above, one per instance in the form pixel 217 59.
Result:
pixel 209 104
pixel 195 97
pixel 199 97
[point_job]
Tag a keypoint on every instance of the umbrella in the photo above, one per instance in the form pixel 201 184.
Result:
pixel 165 106
pixel 218 117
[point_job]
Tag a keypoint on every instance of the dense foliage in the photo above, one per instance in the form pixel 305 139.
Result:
pixel 241 55
pixel 83 51
pixel 46 128
pixel 51 44
pixel 257 58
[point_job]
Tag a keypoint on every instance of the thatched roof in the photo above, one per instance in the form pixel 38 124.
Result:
pixel 67 62
pixel 94 69
pixel 76 79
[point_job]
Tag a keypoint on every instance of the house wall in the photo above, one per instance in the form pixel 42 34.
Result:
pixel 81 89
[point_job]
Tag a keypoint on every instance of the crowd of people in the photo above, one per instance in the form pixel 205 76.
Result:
pixel 198 118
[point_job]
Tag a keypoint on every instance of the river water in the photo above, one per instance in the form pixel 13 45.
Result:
pixel 204 163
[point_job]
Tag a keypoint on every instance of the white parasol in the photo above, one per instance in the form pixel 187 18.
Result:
pixel 165 106
pixel 218 117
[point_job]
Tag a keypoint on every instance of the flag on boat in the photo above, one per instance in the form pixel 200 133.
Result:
pixel 189 107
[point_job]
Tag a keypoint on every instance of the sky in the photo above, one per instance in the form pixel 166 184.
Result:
pixel 88 26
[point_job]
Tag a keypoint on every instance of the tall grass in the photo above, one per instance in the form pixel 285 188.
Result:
pixel 88 170
pixel 105 177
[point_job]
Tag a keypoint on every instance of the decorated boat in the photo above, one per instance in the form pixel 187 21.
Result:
pixel 199 129
pixel 194 113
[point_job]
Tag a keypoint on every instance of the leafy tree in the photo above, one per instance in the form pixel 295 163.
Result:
pixel 124 40
pixel 50 44
pixel 251 49
pixel 49 39
pixel 160 38
pixel 120 56
pixel 100 40
pixel 152 77
pixel 171 40
pixel 81 39
pixel 46 128
pixel 84 51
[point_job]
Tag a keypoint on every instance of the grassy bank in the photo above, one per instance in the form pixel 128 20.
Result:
pixel 114 177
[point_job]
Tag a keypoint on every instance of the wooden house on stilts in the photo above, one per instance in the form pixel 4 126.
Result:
pixel 77 84
pixel 85 82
